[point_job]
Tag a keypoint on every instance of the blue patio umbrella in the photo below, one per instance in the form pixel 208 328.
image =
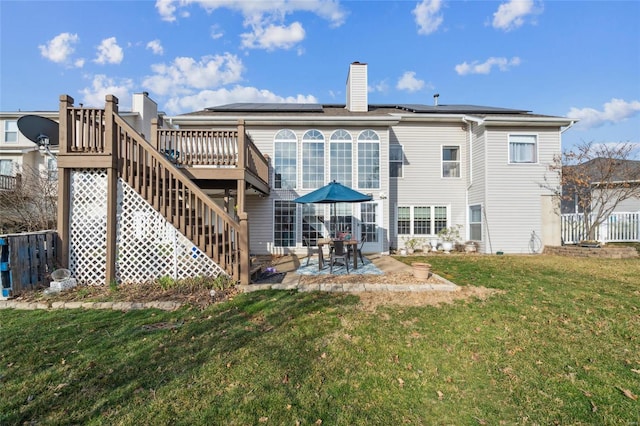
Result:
pixel 333 193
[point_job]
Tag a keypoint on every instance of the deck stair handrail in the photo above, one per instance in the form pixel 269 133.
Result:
pixel 164 186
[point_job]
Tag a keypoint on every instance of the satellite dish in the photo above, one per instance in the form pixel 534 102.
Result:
pixel 39 129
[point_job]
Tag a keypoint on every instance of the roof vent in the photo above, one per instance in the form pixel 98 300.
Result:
pixel 435 99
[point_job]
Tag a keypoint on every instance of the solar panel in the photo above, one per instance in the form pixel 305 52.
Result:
pixel 267 107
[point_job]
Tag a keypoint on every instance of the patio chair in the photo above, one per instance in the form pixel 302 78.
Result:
pixel 311 250
pixel 339 255
pixel 358 249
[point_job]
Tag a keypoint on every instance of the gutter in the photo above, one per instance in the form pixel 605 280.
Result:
pixel 280 120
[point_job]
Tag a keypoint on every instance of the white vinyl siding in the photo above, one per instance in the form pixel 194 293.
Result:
pixel 513 204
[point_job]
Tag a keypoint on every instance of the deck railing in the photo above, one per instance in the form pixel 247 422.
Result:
pixel 8 183
pixel 155 177
pixel 213 148
pixel 619 227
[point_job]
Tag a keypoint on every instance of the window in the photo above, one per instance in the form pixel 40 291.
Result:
pixel 341 157
pixel 404 220
pixel 396 160
pixel 312 223
pixel 523 149
pixel 421 220
pixel 475 223
pixel 450 161
pixel 11 131
pixel 312 159
pixel 284 163
pixel 6 168
pixel 284 224
pixel 368 160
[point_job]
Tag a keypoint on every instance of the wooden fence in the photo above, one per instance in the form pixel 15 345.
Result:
pixel 26 261
pixel 619 227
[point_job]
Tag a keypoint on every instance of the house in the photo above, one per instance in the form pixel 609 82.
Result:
pixel 206 190
pixel 620 177
pixel 21 158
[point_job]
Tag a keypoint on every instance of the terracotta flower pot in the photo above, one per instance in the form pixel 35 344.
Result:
pixel 421 271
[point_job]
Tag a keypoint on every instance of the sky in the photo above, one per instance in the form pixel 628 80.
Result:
pixel 576 59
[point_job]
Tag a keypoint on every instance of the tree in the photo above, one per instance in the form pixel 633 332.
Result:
pixel 597 178
pixel 32 203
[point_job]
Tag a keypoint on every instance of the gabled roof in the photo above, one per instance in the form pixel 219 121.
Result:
pixel 608 170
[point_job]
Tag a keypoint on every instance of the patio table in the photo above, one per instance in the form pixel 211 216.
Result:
pixel 350 245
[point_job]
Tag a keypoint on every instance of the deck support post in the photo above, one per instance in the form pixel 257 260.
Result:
pixel 245 258
pixel 64 184
pixel 111 148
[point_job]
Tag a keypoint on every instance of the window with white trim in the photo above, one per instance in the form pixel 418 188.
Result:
pixel 285 159
pixel 396 161
pixel 312 159
pixel 451 161
pixel 7 168
pixel 11 131
pixel 523 149
pixel 421 220
pixel 341 157
pixel 475 222
pixel 284 223
pixel 368 160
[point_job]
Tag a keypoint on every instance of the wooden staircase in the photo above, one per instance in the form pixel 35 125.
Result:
pixel 97 138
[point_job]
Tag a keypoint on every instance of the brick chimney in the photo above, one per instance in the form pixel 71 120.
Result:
pixel 357 100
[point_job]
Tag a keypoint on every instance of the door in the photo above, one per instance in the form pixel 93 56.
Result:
pixel 370 226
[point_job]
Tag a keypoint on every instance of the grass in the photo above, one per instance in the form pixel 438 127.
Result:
pixel 560 345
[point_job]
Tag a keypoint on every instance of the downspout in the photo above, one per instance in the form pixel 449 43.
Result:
pixel 573 122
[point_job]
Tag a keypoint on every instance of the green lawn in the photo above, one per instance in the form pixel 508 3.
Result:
pixel 560 345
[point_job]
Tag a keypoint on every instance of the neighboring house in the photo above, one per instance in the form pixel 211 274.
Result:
pixel 20 158
pixel 622 177
pixel 201 192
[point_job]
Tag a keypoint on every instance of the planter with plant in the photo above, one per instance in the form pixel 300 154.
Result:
pixel 411 243
pixel 449 237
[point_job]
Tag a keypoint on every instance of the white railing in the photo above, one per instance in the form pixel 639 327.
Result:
pixel 619 227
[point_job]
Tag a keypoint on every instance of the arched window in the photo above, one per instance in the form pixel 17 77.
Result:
pixel 312 159
pixel 285 159
pixel 368 160
pixel 341 157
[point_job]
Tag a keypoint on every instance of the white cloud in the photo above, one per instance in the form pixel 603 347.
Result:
pixel 209 98
pixel 216 32
pixel 381 86
pixel 274 37
pixel 109 52
pixel 503 64
pixel 511 15
pixel 614 111
pixel 409 82
pixel 60 48
pixel 265 19
pixel 101 86
pixel 427 17
pixel 156 47
pixel 185 74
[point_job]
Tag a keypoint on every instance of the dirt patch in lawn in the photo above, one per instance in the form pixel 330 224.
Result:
pixel 370 301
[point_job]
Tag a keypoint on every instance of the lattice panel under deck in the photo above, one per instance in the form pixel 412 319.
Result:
pixel 88 226
pixel 148 246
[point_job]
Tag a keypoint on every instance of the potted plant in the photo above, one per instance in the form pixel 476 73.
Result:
pixel 421 271
pixel 411 243
pixel 449 237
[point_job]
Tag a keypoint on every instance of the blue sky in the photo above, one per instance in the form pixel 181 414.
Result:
pixel 578 59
